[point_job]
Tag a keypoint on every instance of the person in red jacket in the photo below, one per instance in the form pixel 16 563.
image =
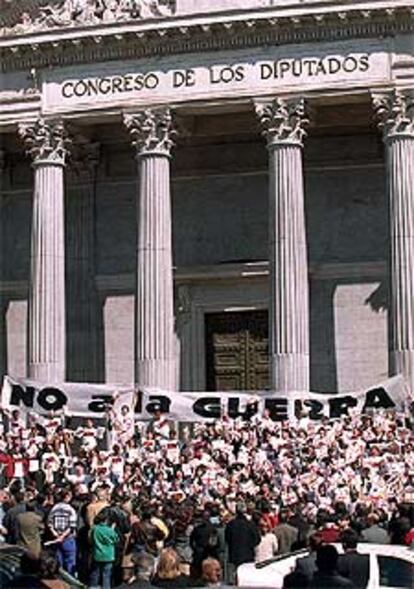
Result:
pixel 15 466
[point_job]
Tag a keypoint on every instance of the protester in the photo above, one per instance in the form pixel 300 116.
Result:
pixel 104 539
pixel 305 566
pixel 10 521
pixel 144 569
pixel 207 493
pixel 352 564
pixel 268 545
pixel 30 526
pixel 168 572
pixel 49 573
pixel 62 523
pixel 286 534
pixel 374 533
pixel 327 575
pixel 211 573
pixel 242 537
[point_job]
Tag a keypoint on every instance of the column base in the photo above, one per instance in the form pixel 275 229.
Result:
pixel 402 362
pixel 47 372
pixel 160 373
pixel 290 372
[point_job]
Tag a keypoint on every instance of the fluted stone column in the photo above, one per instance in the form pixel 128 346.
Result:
pixel 282 123
pixel 46 144
pixel 3 298
pixel 155 339
pixel 395 111
pixel 82 296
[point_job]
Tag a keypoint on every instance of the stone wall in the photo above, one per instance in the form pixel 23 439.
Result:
pixel 221 218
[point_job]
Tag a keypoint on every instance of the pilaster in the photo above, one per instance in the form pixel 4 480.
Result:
pixel 395 112
pixel 46 142
pixel 282 123
pixel 151 132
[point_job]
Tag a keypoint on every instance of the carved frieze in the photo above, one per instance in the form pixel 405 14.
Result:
pixel 45 141
pixel 282 120
pixel 151 131
pixel 70 13
pixel 395 113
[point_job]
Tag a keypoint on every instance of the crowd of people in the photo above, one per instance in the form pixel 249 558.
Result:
pixel 158 507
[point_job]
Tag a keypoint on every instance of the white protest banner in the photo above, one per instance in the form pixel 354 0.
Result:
pixel 75 399
pixel 90 400
pixel 391 394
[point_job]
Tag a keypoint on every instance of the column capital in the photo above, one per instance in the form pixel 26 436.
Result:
pixel 151 131
pixel 394 111
pixel 282 121
pixel 46 142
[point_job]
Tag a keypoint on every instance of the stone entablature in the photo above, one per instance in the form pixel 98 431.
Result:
pixel 180 32
pixel 35 15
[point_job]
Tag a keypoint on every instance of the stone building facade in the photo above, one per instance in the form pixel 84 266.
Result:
pixel 208 195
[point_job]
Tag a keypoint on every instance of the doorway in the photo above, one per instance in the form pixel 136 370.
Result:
pixel 237 351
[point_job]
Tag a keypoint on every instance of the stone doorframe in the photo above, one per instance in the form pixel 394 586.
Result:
pixel 228 289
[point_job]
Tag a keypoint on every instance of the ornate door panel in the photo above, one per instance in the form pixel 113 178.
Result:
pixel 237 351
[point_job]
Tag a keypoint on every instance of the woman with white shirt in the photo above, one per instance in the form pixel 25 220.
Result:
pixel 268 546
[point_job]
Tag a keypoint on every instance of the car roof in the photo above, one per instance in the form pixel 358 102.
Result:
pixel 396 551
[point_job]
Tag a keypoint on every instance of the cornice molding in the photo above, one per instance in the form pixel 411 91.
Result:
pixel 184 35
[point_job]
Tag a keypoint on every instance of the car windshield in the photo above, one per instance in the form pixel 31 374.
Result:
pixel 395 572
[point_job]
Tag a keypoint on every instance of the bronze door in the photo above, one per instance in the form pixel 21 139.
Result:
pixel 237 351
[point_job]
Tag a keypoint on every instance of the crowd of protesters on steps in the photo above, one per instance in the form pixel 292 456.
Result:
pixel 163 508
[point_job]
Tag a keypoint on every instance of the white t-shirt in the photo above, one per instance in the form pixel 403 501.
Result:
pixel 267 547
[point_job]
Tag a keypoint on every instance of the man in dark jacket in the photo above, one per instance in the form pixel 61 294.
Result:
pixel 353 565
pixel 204 541
pixel 10 521
pixel 306 565
pixel 242 536
pixel 327 575
pixel 285 533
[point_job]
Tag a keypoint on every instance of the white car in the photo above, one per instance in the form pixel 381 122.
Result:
pixel 390 567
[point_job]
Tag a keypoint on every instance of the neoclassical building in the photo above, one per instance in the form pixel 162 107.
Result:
pixel 208 195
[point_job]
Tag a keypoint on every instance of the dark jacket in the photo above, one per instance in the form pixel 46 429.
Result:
pixel 242 536
pixel 354 566
pixel 306 565
pixel 286 536
pixel 330 581
pixel 11 522
pixel 206 541
pixel 181 581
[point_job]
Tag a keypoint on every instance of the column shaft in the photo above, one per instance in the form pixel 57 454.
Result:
pixel 46 143
pixel 401 198
pixel 289 313
pixel 155 313
pixel 47 285
pixel 156 357
pixel 282 123
pixel 395 111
